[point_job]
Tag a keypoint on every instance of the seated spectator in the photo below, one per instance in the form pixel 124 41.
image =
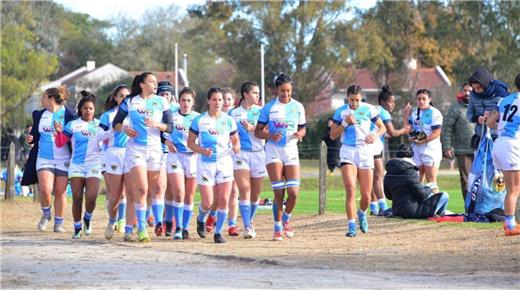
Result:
pixel 411 199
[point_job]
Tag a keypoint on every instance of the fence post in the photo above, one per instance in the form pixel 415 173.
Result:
pixel 35 192
pixel 517 214
pixel 9 191
pixel 323 178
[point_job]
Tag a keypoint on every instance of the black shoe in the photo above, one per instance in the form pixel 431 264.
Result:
pixel 201 229
pixel 168 231
pixel 218 239
pixel 185 235
pixel 178 234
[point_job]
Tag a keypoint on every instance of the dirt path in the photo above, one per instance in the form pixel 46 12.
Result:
pixel 394 254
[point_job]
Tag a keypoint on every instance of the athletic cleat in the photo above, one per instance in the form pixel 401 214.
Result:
pixel 143 236
pixel 88 229
pixel 363 224
pixel 514 232
pixel 277 236
pixel 120 226
pixel 351 232
pixel 233 231
pixel 44 221
pixel 59 229
pixel 218 239
pixel 129 237
pixel 185 235
pixel 288 230
pixel 151 221
pixel 201 229
pixel 248 233
pixel 178 234
pixel 159 229
pixel 77 234
pixel 109 231
pixel 210 223
pixel 168 229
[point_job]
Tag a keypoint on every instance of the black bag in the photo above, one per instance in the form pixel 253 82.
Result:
pixel 475 141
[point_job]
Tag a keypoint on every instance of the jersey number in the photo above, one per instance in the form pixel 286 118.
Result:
pixel 513 112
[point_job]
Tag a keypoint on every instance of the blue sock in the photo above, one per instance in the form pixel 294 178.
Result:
pixel 77 226
pixel 158 210
pixel 231 222
pixel 58 220
pixel 46 212
pixel 202 215
pixel 221 218
pixel 275 212
pixel 213 213
pixel 129 229
pixel 373 207
pixel 111 220
pixel 254 206
pixel 121 210
pixel 286 217
pixel 186 217
pixel 361 214
pixel 140 214
pixel 510 222
pixel 245 212
pixel 178 212
pixel 278 226
pixel 352 225
pixel 382 204
pixel 168 209
pixel 87 216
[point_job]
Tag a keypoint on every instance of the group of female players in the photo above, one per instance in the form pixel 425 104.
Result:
pixel 154 150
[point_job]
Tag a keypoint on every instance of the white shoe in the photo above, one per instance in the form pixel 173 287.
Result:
pixel 59 229
pixel 109 231
pixel 88 230
pixel 248 233
pixel 44 221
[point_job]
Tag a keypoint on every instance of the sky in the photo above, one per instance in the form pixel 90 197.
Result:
pixel 106 9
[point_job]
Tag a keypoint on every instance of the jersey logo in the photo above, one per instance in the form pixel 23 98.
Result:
pixel 180 128
pixel 88 133
pixel 204 179
pixel 47 129
pixel 279 124
pixel 114 167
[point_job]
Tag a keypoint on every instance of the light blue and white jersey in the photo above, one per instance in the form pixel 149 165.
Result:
pixel 47 149
pixel 85 147
pixel 385 116
pixel 354 135
pixel 138 109
pixel 509 122
pixel 215 134
pixel 425 120
pixel 181 130
pixel 283 118
pixel 248 141
pixel 115 139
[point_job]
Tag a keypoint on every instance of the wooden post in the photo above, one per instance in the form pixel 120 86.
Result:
pixel 517 214
pixel 323 178
pixel 36 193
pixel 9 190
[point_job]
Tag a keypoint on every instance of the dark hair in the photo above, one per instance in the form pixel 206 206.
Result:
pixel 187 90
pixel 139 79
pixel 425 92
pixel 214 90
pixel 384 95
pixel 85 98
pixel 354 90
pixel 110 103
pixel 246 88
pixel 517 81
pixel 404 151
pixel 59 94
pixel 465 84
pixel 282 79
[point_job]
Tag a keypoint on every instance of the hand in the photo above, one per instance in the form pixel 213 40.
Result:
pixel 298 135
pixel 371 138
pixel 419 141
pixel 58 127
pixel 247 125
pixel 482 120
pixel 407 129
pixel 449 154
pixel 236 148
pixel 130 132
pixel 170 146
pixel 350 119
pixel 207 152
pixel 276 137
pixel 29 138
pixel 149 122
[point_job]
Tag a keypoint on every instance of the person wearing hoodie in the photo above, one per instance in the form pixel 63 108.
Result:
pixel 410 199
pixel 456 136
pixel 484 98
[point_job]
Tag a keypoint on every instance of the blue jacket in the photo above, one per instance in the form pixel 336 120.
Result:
pixel 30 175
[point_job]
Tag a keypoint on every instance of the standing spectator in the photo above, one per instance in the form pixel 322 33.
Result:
pixel 332 148
pixel 484 98
pixel 456 136
pixel 25 147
